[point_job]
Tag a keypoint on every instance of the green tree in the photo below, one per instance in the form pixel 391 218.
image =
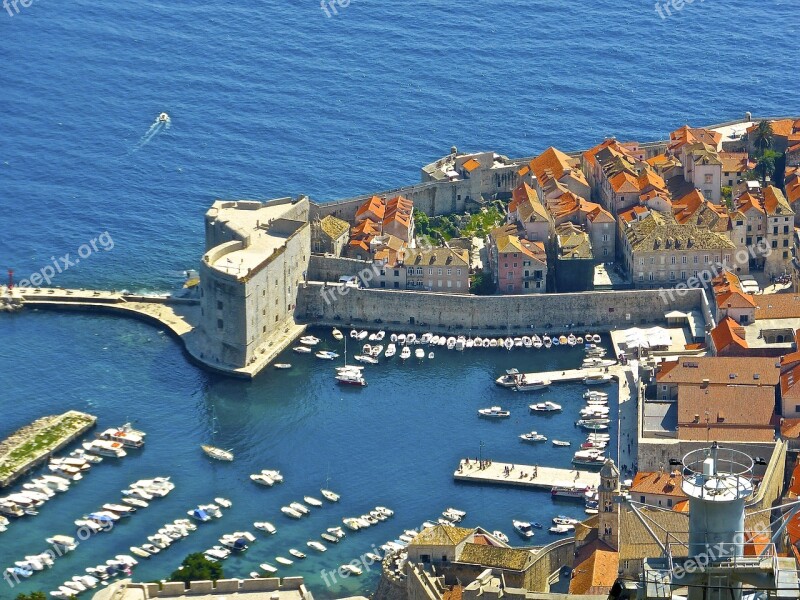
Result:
pixel 765 166
pixel 482 284
pixel 32 596
pixel 727 195
pixel 197 567
pixel 762 136
pixel 421 222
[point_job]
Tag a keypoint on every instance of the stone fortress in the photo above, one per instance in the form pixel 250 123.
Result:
pixel 260 285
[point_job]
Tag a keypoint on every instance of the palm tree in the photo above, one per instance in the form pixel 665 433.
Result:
pixel 765 167
pixel 762 136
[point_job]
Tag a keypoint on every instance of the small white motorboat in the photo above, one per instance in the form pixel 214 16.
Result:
pixel 365 358
pixel 262 479
pixel 533 437
pixel 337 335
pixel 430 355
pixel 312 501
pixel 523 528
pixel 290 512
pixel 302 349
pixel 391 350
pixel 329 495
pixel 268 567
pixel 316 546
pixel 405 353
pixel 309 340
pixel 494 412
pixel 282 366
pixel 283 561
pixel 296 553
pixel 163 118
pixel 561 443
pixel 545 406
pixel 300 507
pixel 326 355
pixel 419 353
pixel 352 569
pixel 265 526
pixel 500 536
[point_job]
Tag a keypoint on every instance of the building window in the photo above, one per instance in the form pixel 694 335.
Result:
pixel 695 259
pixel 440 272
pixel 683 260
pixel 525 285
pixel 397 272
pixel 672 260
pixel 683 275
pixel 651 276
pixel 652 260
pixel 458 284
pixel 672 275
pixel 510 287
pixel 449 271
pixel 264 329
pixel 538 285
pixel 220 324
pixel 705 259
pixel 774 243
pixel 605 251
pixel 458 272
pixel 709 178
pixel 641 261
pixel 509 275
pixel 605 237
pixel 219 304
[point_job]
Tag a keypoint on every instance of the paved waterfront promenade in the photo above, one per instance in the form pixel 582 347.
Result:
pixel 523 475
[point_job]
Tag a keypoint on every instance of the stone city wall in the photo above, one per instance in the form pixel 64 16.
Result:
pixel 503 315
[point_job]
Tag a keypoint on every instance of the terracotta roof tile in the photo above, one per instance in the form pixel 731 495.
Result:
pixel 778 306
pixel 596 574
pixel 471 165
pixel 657 482
pixel 718 370
pixel 728 333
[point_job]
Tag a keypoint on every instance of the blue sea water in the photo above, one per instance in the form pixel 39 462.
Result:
pixel 270 99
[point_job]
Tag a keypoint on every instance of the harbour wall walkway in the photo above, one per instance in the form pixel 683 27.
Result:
pixel 177 316
pixel 337 305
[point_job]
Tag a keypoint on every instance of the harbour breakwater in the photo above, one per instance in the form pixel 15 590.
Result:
pixel 30 446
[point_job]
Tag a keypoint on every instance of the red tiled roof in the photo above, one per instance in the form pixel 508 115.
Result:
pixel 720 370
pixel 728 333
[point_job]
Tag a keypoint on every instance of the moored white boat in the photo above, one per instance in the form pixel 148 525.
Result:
pixel 546 406
pixel 217 453
pixel 523 528
pixel 561 443
pixel 494 412
pixel 533 437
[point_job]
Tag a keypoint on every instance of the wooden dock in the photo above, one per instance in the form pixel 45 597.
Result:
pixel 522 475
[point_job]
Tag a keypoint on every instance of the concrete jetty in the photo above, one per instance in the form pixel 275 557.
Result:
pixel 575 374
pixel 545 479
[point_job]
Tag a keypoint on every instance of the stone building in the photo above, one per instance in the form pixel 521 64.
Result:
pixel 574 259
pixel 463 554
pixel 256 256
pixel 659 252
pixel 770 227
pixel 329 235
pixel 518 266
pixel 436 270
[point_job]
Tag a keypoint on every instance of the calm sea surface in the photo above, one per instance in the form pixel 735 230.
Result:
pixel 270 99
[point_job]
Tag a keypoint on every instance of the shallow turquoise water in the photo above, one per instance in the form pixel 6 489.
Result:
pixel 394 443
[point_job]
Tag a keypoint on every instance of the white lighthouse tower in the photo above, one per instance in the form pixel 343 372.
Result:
pixel 717 482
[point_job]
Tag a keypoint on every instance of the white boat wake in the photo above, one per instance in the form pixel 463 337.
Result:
pixel 161 124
